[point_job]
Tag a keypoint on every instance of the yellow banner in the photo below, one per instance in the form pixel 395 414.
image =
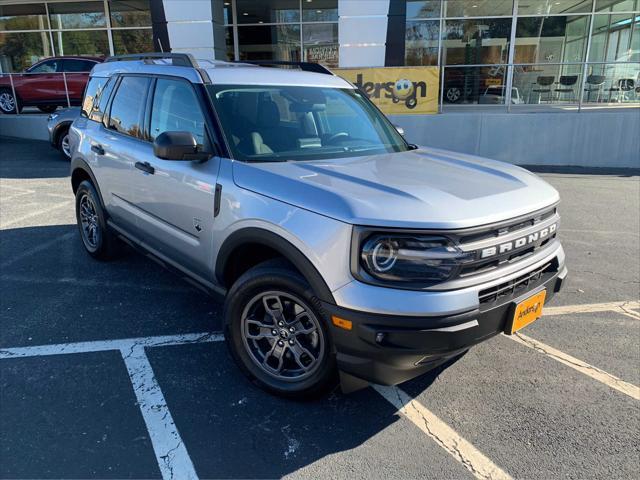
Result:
pixel 397 90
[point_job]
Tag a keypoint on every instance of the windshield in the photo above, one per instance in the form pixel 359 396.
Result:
pixel 282 123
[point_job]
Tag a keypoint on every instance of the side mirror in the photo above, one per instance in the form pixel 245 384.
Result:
pixel 178 146
pixel 399 129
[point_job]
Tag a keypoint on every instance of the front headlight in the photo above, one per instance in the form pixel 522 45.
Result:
pixel 408 260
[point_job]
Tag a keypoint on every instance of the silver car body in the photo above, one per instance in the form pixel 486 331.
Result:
pixel 313 205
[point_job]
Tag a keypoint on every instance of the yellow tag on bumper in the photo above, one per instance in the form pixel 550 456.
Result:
pixel 527 311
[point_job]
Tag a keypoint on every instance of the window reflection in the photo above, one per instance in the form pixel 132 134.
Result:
pixel 474 85
pixel 130 13
pixel 281 42
pixel 21 50
pixel 545 7
pixel 478 8
pixel 320 11
pixel 476 41
pixel 268 11
pixel 554 39
pixel 132 41
pixel 423 9
pixel 421 42
pixel 79 42
pixel 77 15
pixel 321 43
pixel 23 17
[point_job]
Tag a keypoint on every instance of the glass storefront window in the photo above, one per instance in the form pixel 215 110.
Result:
pixel 320 42
pixel 227 13
pixel 547 84
pixel 23 17
pixel 319 10
pixel 421 42
pixel 280 42
pixel 132 41
pixel 268 11
pixel 81 42
pixel 130 13
pixel 545 7
pixel 481 41
pixel 612 37
pixel 423 9
pixel 21 50
pixel 478 8
pixel 613 83
pixel 617 5
pixel 483 85
pixel 554 39
pixel 228 37
pixel 77 15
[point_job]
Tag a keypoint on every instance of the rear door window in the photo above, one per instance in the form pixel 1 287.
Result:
pixel 128 106
pixel 77 65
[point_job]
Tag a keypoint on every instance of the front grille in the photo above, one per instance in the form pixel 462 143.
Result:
pixel 518 285
pixel 477 264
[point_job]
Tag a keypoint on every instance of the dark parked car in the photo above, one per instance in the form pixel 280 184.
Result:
pixel 43 84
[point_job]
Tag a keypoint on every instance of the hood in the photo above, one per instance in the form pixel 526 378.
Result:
pixel 424 188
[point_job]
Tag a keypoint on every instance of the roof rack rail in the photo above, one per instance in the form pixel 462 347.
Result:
pixel 306 66
pixel 178 59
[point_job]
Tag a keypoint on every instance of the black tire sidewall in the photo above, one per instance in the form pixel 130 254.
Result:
pixel 102 249
pixel 264 278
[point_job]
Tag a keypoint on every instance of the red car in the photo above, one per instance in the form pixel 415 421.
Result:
pixel 43 84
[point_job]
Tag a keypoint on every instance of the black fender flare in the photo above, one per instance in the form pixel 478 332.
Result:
pixel 285 248
pixel 80 164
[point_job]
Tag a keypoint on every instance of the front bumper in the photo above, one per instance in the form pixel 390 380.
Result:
pixel 390 349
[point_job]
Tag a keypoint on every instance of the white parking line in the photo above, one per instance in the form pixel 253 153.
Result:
pixel 171 453
pixel 37 213
pixel 470 457
pixel 621 307
pixel 582 367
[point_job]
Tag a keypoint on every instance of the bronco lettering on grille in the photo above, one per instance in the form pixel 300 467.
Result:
pixel 518 243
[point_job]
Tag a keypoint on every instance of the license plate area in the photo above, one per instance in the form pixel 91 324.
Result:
pixel 526 312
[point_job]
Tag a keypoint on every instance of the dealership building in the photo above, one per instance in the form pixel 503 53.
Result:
pixel 553 82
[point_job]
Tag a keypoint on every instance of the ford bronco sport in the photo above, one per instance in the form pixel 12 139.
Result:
pixel 342 251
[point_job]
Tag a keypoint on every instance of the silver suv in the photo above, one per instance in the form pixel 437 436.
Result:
pixel 341 250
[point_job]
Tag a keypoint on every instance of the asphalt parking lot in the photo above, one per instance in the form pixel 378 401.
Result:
pixel 116 370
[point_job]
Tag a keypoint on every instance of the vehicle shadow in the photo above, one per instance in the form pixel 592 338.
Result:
pixel 20 158
pixel 53 292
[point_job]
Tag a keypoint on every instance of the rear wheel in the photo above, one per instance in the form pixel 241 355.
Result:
pixel 97 239
pixel 276 332
pixel 8 102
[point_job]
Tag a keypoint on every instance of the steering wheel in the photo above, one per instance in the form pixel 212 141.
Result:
pixel 337 136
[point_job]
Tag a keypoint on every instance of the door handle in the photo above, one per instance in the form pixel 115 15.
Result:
pixel 145 167
pixel 97 149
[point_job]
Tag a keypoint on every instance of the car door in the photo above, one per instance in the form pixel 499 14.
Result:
pixel 43 83
pixel 175 199
pixel 117 143
pixel 76 71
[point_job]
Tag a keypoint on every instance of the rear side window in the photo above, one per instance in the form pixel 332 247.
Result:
pixel 128 106
pixel 74 65
pixel 176 108
pixel 96 96
pixel 50 66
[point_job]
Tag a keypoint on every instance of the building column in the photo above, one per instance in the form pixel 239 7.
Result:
pixel 190 26
pixel 362 32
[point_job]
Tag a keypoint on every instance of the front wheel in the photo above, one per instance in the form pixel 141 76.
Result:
pixel 276 332
pixel 63 144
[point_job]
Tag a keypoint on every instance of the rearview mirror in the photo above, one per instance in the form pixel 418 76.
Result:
pixel 178 146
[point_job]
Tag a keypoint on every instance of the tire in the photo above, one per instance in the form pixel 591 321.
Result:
pixel 8 103
pixel 298 363
pixel 48 108
pixel 453 94
pixel 102 244
pixel 62 143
